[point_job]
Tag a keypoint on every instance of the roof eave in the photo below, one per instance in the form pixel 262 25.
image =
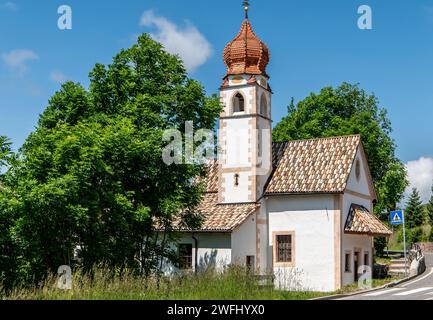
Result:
pixel 370 234
pixel 274 194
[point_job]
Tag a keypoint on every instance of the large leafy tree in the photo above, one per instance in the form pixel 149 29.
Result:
pixel 92 173
pixel 5 152
pixel 350 110
pixel 9 266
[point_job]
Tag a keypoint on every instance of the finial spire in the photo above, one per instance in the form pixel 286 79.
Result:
pixel 246 5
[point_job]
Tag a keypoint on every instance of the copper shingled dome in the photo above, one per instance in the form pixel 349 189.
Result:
pixel 246 53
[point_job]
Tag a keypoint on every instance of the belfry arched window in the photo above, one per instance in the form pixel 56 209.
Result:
pixel 263 106
pixel 238 103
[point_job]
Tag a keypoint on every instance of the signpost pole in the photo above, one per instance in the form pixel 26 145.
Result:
pixel 404 240
pixel 398 219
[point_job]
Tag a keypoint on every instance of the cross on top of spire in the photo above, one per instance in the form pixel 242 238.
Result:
pixel 246 5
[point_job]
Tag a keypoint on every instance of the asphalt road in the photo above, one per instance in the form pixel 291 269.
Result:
pixel 420 288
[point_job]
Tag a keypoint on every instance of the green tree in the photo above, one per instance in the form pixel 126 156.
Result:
pixel 350 110
pixel 8 249
pixel 5 152
pixel 414 213
pixel 92 174
pixel 429 209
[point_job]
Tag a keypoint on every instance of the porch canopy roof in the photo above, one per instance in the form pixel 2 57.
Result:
pixel 362 222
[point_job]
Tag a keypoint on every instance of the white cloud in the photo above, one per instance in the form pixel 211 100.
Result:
pixel 9 6
pixel 17 59
pixel 58 77
pixel 420 176
pixel 186 41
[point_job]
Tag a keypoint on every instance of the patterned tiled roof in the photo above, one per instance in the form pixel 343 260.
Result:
pixel 361 221
pixel 313 166
pixel 222 217
pixel 211 180
pixel 246 53
pixel 306 166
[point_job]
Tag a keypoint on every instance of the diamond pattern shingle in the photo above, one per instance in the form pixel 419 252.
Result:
pixel 361 221
pixel 313 166
pixel 222 217
pixel 211 180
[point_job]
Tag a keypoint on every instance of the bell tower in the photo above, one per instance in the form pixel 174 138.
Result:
pixel 245 160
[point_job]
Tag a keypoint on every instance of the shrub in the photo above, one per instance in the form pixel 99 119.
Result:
pixel 414 235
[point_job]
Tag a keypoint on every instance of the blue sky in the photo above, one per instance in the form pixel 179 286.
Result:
pixel 313 44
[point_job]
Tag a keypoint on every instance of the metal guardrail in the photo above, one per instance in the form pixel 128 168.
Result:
pixel 395 252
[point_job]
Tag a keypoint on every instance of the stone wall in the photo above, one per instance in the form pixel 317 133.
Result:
pixel 426 247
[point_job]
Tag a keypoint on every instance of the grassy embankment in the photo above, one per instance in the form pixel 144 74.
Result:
pixel 231 285
pixel 396 240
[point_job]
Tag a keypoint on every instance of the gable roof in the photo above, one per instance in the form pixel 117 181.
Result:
pixel 300 167
pixel 313 166
pixel 222 217
pixel 361 221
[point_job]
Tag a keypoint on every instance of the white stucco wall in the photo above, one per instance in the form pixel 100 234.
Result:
pixel 238 139
pixel 312 220
pixel 238 132
pixel 244 241
pixel 263 239
pixel 360 243
pixel 214 250
pixel 360 185
pixel 352 244
pixel 239 193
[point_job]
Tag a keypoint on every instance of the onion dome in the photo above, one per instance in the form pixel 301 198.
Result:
pixel 246 53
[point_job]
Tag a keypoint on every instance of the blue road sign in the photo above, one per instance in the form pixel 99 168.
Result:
pixel 397 218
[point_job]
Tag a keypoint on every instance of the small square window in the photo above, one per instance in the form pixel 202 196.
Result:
pixel 251 263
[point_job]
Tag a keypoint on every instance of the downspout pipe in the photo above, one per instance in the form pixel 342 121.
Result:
pixel 196 253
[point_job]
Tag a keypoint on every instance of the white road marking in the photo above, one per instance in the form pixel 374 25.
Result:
pixel 407 293
pixel 422 278
pixel 379 293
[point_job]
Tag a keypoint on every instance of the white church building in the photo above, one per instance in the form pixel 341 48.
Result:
pixel 301 210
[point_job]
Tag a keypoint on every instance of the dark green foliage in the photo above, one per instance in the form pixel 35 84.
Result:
pixel 5 151
pixel 414 214
pixel 379 245
pixel 350 110
pixel 92 173
pixel 413 235
pixel 429 210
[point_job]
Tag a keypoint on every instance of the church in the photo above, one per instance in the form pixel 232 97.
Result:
pixel 300 210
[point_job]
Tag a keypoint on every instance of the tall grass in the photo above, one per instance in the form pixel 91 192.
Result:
pixel 233 284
